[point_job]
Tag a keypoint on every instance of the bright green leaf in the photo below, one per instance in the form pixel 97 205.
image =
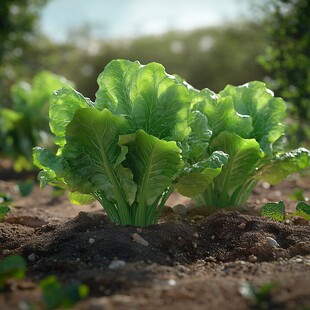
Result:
pixel 303 210
pixel 155 164
pixel 274 210
pixel 281 166
pixel 196 178
pixel 147 97
pixel 267 112
pixel 63 105
pixel 244 156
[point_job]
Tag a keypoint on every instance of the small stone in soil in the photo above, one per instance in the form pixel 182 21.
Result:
pixel 242 225
pixel 195 235
pixel 172 282
pixel 136 237
pixel 116 264
pixel 139 230
pixel 252 259
pixel 272 242
pixel 179 209
pixel 32 257
pixel 91 240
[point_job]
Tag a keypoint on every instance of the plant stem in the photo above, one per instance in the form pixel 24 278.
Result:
pixel 163 200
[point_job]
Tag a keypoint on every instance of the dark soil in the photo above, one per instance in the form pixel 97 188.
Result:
pixel 193 261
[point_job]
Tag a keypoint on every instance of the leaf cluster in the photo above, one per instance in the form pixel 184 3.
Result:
pixel 25 124
pixel 149 133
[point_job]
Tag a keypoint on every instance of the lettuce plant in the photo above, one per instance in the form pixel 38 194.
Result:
pixel 25 125
pixel 124 149
pixel 149 133
pixel 246 124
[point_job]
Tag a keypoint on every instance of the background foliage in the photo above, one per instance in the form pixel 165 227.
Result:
pixel 287 60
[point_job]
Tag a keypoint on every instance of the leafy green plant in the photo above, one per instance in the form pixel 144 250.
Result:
pixel 244 122
pixel 149 133
pixel 25 125
pixel 276 211
pixel 11 267
pixel 56 295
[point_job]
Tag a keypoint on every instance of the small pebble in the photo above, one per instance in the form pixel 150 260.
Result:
pixel 212 237
pixel 242 225
pixel 252 259
pixel 210 259
pixel 172 282
pixel 91 240
pixel 265 185
pixel 137 238
pixel 195 245
pixel 272 242
pixel 195 235
pixel 32 257
pixel 179 209
pixel 116 264
pixel 139 230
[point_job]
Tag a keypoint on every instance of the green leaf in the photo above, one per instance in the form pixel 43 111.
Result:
pixel 11 267
pixel 281 166
pixel 93 153
pixel 196 178
pixel 244 157
pixel 155 164
pixel 267 112
pixel 147 97
pixel 80 199
pixel 114 87
pixel 54 167
pixel 199 138
pixel 222 115
pixel 303 210
pixel 63 105
pixel 274 211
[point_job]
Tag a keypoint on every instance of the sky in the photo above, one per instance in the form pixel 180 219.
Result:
pixel 115 19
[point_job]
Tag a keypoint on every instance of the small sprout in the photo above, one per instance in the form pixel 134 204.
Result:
pixel 274 210
pixel 56 295
pixel 11 267
pixel 259 295
pixel 25 187
pixel 303 210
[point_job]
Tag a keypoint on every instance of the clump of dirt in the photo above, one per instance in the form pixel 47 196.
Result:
pixel 186 261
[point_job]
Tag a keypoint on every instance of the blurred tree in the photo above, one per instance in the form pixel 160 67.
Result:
pixel 287 58
pixel 17 31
